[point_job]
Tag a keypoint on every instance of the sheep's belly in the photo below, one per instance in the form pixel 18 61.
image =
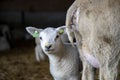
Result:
pixel 91 60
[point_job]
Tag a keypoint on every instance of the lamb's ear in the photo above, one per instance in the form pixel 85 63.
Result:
pixel 33 31
pixel 61 29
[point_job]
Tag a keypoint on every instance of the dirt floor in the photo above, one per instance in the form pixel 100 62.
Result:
pixel 20 64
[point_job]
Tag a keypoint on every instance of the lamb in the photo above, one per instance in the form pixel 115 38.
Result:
pixel 96 26
pixel 39 54
pixel 64 59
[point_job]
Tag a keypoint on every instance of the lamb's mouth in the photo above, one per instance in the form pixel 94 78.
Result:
pixel 49 50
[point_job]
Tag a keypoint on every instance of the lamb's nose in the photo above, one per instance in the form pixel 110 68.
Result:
pixel 48 46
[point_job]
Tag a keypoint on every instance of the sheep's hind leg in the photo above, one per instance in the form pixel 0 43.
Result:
pixel 109 72
pixel 88 71
pixel 37 54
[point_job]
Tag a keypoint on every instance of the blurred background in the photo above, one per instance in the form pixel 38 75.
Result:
pixel 17 57
pixel 15 15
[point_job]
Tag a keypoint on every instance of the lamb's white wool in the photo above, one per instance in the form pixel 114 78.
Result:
pixel 64 59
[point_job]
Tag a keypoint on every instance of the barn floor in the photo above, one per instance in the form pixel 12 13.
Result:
pixel 20 64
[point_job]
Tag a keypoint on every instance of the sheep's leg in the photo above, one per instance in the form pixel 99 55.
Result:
pixel 37 54
pixel 101 75
pixel 109 69
pixel 109 73
pixel 88 71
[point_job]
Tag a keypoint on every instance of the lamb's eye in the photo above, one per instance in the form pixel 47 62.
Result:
pixel 57 36
pixel 40 38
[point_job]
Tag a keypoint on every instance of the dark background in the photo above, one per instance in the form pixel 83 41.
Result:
pixel 17 14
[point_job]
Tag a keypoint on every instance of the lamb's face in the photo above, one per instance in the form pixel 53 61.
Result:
pixel 49 39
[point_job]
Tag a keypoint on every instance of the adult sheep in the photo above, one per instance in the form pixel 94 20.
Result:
pixel 96 26
pixel 64 59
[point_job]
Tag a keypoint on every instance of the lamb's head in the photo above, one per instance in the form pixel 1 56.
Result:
pixel 49 37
